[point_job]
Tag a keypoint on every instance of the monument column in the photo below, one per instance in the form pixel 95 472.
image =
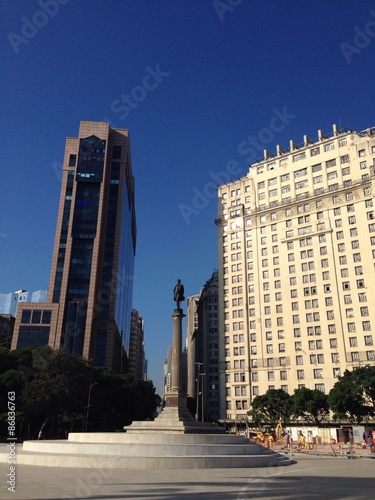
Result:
pixel 175 417
pixel 174 396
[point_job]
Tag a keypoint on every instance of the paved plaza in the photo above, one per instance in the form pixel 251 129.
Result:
pixel 309 478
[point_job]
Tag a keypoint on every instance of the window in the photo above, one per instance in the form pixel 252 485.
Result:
pixel 335 357
pixel 318 179
pixel 355 244
pixel 351 327
pixel 320 387
pixel 282 361
pixel 360 283
pixel 26 316
pixel 318 373
pixel 299 360
pixel 332 175
pixel 331 328
pixel 72 160
pixel 339 235
pixel 283 375
pixel 331 163
pixel 36 317
pixel 364 311
pixel 353 341
pixel 355 356
pixel 366 326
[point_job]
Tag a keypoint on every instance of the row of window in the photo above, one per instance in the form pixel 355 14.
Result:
pixel 36 316
pixel 306 208
pixel 288 234
pixel 255 389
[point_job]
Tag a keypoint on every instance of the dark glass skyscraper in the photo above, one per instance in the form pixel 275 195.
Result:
pixel 91 282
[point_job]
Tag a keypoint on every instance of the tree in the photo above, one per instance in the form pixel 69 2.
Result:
pixel 271 407
pixel 312 405
pixel 58 390
pixel 353 396
pixel 52 389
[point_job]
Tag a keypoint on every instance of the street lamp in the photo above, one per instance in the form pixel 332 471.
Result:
pixel 199 364
pixel 88 405
pixel 202 375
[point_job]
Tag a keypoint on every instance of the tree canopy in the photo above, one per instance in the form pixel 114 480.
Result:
pixel 310 404
pixel 353 396
pixel 271 407
pixel 351 399
pixel 53 389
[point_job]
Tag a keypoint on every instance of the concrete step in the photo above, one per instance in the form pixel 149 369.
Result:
pixel 146 451
pixel 140 449
pixel 125 437
pixel 148 462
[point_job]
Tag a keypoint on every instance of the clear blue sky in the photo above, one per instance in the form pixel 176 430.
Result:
pixel 223 68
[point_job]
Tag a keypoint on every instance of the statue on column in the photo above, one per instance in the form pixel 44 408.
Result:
pixel 178 293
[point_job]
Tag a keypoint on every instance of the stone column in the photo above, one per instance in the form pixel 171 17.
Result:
pixel 174 396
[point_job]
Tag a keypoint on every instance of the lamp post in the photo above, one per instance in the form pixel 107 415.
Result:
pixel 197 395
pixel 88 405
pixel 202 392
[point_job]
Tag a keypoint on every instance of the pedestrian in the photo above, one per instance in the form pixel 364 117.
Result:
pixel 302 440
pixel 369 440
pixel 287 440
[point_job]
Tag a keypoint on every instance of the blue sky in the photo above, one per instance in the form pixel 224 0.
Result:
pixel 225 70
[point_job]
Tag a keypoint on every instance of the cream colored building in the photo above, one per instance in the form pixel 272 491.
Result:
pixel 296 269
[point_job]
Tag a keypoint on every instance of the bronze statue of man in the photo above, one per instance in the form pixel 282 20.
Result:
pixel 178 293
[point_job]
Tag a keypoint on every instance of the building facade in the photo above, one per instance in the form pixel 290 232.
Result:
pixel 202 345
pixel 90 291
pixel 296 263
pixel 191 345
pixel 136 347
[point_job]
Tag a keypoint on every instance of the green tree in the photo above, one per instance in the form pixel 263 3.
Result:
pixel 52 389
pixel 310 404
pixel 271 407
pixel 58 390
pixel 353 396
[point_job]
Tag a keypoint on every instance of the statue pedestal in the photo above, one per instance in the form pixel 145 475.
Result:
pixel 175 417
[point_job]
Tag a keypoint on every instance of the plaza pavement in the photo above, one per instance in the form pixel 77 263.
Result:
pixel 311 477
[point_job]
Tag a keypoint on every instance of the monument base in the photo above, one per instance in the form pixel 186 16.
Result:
pixel 172 420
